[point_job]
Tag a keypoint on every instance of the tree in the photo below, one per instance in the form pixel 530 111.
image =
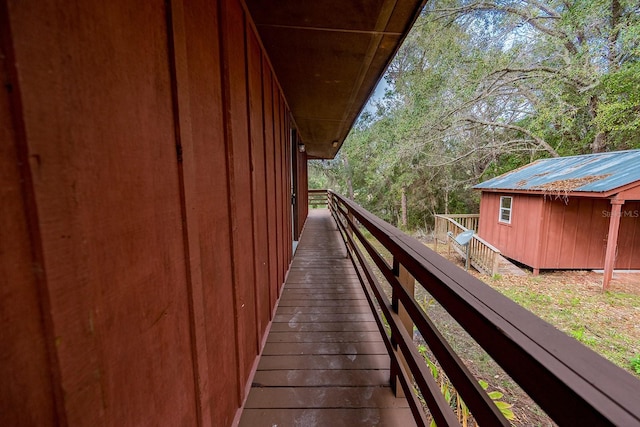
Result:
pixel 481 87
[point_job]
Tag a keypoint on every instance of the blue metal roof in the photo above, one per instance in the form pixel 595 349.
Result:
pixel 601 172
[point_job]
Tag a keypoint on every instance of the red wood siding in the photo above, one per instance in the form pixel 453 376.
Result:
pixel 212 198
pixel 278 160
pixel 629 237
pixel 576 233
pixel 258 179
pixel 26 391
pixel 551 233
pixel 270 156
pixel 146 235
pixel 237 138
pixel 518 240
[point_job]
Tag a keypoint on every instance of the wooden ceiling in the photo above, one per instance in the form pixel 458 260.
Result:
pixel 328 56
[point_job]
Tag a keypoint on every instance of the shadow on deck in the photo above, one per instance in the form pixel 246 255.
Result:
pixel 324 362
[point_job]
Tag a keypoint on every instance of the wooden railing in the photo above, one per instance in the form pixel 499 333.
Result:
pixel 574 385
pixel 317 198
pixel 468 221
pixel 484 257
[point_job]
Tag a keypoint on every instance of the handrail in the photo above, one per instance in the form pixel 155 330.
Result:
pixel 484 257
pixel 573 384
pixel 317 197
pixel 468 221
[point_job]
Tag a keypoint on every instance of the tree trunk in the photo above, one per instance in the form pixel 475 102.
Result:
pixel 446 201
pixel 600 140
pixel 345 161
pixel 614 22
pixel 403 204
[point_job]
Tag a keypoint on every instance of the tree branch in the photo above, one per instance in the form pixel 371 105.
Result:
pixel 527 132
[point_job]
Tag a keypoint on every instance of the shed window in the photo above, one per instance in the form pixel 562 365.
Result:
pixel 505 209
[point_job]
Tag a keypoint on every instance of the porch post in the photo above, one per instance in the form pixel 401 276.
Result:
pixel 612 242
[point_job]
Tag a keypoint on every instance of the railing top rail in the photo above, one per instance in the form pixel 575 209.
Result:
pixel 453 221
pixel 458 215
pixel 573 384
pixel 317 191
pixel 485 243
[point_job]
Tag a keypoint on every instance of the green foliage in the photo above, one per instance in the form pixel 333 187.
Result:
pixel 505 408
pixel 481 88
pixel 620 114
pixel 453 398
pixel 635 364
pixel 578 332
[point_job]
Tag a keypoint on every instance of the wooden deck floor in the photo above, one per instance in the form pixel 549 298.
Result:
pixel 324 363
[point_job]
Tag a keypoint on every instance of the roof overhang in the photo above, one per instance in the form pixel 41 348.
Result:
pixel 328 56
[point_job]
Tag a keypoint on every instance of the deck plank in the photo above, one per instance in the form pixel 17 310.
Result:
pixel 323 337
pixel 325 309
pixel 323 317
pixel 385 417
pixel 322 378
pixel 324 362
pixel 325 327
pixel 323 397
pixel 273 349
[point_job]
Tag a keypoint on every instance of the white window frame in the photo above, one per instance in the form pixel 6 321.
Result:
pixel 508 210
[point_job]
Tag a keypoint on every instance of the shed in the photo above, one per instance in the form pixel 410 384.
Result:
pixel 578 212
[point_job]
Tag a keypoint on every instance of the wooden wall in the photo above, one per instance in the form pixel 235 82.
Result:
pixel 145 226
pixel 576 234
pixel 554 234
pixel 520 239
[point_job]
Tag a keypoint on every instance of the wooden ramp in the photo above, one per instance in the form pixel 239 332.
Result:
pixel 324 363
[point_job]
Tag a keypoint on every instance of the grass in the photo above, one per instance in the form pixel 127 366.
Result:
pixel 608 323
pixel 635 364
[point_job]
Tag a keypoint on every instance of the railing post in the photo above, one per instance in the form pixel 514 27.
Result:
pixel 495 264
pixel 436 233
pixel 408 283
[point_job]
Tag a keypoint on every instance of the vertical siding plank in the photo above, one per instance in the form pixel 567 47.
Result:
pixel 270 184
pixel 286 188
pixel 584 237
pixel 237 140
pixel 629 237
pixel 278 187
pixel 189 204
pixel 30 393
pixel 598 231
pixel 258 179
pixel 286 185
pixel 211 208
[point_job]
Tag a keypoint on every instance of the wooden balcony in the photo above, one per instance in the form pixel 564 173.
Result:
pixel 340 346
pixel 325 362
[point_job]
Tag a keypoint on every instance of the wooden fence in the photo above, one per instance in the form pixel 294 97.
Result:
pixel 571 383
pixel 484 257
